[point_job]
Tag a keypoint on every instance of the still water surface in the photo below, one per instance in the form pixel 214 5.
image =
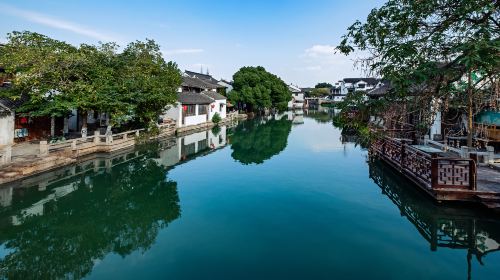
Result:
pixel 267 199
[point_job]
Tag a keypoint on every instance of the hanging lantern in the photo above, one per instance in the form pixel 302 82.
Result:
pixel 213 106
pixel 184 107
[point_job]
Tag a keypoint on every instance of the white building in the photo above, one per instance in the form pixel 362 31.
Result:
pixel 6 124
pixel 298 97
pixel 341 88
pixel 197 101
pixel 228 85
pixel 193 108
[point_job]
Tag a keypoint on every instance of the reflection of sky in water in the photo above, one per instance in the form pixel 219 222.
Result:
pixel 4 251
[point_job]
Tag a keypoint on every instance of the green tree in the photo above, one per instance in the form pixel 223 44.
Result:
pixel 323 85
pixel 319 92
pixel 432 48
pixel 38 65
pixel 148 80
pixel 259 89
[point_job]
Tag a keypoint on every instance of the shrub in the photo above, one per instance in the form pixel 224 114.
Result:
pixel 216 118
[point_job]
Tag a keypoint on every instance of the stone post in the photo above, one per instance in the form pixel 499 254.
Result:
pixel 97 138
pixel 73 145
pixel 44 148
pixel 464 152
pixel 7 154
pixel 491 154
pixel 109 139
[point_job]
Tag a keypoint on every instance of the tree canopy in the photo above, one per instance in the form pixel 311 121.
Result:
pixel 319 92
pixel 259 89
pixel 323 85
pixel 55 77
pixel 444 49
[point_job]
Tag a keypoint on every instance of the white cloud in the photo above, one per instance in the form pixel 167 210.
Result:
pixel 309 68
pixel 55 23
pixel 182 51
pixel 319 50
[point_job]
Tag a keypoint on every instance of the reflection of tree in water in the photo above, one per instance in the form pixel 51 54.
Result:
pixel 476 231
pixel 116 212
pixel 323 116
pixel 255 142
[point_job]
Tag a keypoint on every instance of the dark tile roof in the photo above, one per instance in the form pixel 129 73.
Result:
pixel 380 90
pixel 193 98
pixel 370 81
pixel 227 82
pixel 197 83
pixel 12 104
pixel 205 78
pixel 214 95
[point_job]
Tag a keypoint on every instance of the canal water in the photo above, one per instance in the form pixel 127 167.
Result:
pixel 283 198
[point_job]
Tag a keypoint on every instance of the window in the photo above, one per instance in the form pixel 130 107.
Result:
pixel 202 109
pixel 221 107
pixel 361 85
pixel 189 110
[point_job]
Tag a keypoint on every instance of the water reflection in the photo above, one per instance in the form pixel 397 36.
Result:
pixel 442 226
pixel 58 225
pixel 257 140
pixel 320 114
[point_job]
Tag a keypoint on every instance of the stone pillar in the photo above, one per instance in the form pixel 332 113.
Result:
pixel 73 145
pixel 491 154
pixel 97 137
pixel 7 154
pixel 44 148
pixel 464 152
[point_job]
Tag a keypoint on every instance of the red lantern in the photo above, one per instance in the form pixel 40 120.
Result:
pixel 184 108
pixel 23 120
pixel 213 106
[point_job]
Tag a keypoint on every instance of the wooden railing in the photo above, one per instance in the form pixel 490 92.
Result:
pixel 428 170
pixel 487 131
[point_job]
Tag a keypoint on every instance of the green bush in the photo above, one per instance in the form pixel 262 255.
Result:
pixel 216 118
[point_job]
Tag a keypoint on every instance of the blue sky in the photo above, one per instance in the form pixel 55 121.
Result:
pixel 293 39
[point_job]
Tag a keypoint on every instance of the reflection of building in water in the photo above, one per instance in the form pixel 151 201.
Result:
pixel 296 116
pixel 189 145
pixel 447 227
pixel 70 219
pixel 172 152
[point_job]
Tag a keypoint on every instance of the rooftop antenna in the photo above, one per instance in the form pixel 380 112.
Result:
pixel 208 72
pixel 201 69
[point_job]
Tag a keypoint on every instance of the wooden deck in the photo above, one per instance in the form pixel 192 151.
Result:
pixel 443 178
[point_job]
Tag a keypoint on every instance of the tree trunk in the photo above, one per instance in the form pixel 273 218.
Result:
pixel 470 105
pixel 84 123
pixel 52 126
